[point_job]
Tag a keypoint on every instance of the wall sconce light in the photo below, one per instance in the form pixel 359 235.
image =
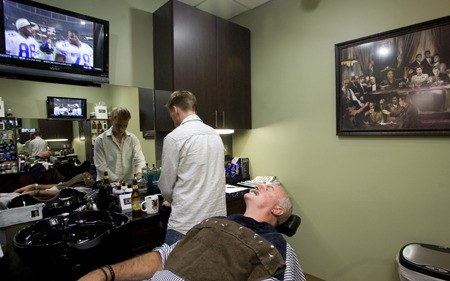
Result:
pixel 225 131
pixel 55 140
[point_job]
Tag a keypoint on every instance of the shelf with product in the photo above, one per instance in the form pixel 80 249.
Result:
pixel 98 126
pixel 93 128
pixel 9 160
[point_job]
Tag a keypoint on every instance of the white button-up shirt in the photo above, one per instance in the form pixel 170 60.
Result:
pixel 121 160
pixel 193 174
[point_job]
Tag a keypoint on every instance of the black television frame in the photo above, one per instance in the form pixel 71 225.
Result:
pixel 53 101
pixel 54 22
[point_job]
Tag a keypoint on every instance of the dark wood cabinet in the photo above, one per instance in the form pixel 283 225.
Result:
pixel 56 129
pixel 233 76
pixel 163 122
pixel 209 56
pixel 147 233
pixel 146 110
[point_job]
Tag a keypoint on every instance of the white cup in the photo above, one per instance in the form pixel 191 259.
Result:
pixel 150 204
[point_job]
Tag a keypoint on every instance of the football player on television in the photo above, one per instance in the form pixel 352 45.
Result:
pixel 76 110
pixel 74 51
pixel 22 43
pixel 61 110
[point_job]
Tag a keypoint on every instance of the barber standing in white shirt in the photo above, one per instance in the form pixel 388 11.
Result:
pixel 117 151
pixel 37 146
pixel 192 173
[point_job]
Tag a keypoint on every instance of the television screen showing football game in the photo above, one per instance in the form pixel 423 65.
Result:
pixel 35 33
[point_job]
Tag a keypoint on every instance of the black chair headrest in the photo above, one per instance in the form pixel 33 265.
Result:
pixel 289 227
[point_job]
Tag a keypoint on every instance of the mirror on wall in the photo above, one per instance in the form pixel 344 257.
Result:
pixel 62 136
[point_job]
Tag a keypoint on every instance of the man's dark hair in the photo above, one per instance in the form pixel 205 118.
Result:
pixel 75 32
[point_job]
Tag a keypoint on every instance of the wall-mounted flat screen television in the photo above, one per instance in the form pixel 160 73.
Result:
pixel 9 123
pixel 62 108
pixel 45 43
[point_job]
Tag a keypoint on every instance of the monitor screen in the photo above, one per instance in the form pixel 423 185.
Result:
pixel 27 130
pixel 45 43
pixel 11 123
pixel 66 108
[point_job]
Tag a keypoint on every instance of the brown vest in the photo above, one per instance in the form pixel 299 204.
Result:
pixel 220 249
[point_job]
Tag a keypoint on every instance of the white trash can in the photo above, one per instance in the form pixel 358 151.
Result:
pixel 423 262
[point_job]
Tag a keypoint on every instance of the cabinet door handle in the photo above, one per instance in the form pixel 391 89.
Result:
pixel 215 112
pixel 223 119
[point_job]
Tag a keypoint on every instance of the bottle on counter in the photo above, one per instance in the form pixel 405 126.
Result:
pixel 143 181
pixel 155 173
pixel 105 181
pixel 104 193
pixel 146 177
pixel 135 200
pixel 145 170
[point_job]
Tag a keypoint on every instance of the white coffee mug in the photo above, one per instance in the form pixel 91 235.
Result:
pixel 150 204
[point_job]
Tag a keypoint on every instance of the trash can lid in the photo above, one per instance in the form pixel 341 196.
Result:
pixel 428 259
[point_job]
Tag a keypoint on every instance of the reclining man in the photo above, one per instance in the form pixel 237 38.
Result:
pixel 239 247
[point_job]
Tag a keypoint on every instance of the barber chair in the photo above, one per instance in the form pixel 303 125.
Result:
pixel 69 170
pixel 289 227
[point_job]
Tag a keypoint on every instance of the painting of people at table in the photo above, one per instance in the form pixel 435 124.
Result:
pixel 395 83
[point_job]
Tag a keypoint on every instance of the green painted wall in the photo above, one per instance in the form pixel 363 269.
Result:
pixel 361 198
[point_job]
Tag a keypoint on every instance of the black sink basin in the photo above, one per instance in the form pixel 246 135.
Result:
pixel 72 244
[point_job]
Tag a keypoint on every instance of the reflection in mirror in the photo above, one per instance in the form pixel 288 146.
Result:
pixel 62 136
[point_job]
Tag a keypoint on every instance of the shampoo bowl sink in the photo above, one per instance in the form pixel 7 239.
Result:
pixel 70 242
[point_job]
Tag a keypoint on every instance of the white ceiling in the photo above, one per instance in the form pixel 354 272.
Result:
pixel 225 9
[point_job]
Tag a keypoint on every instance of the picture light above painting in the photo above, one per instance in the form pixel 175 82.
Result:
pixel 44 43
pixel 396 82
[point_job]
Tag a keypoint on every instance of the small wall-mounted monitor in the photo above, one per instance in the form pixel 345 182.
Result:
pixel 11 123
pixel 62 108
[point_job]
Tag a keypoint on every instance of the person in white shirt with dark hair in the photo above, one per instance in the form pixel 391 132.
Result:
pixel 37 146
pixel 74 51
pixel 60 110
pixel 76 110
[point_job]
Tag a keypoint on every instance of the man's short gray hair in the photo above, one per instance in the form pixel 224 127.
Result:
pixel 285 203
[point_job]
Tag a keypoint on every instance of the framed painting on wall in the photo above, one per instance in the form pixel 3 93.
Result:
pixel 396 82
